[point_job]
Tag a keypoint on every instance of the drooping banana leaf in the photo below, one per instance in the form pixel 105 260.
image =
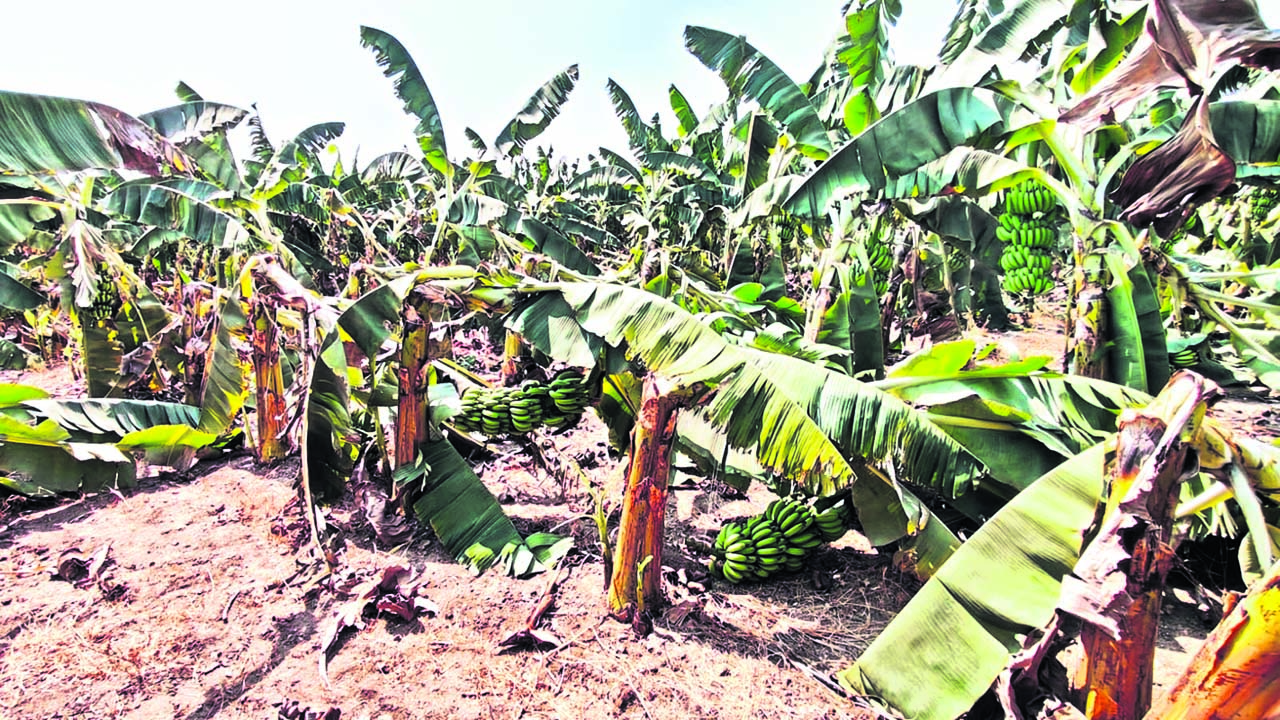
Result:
pixel 412 89
pixel 537 114
pixel 799 420
pixel 224 385
pixel 852 323
pixel 1017 419
pixel 461 511
pixel 16 295
pixel 762 138
pixel 175 208
pixel 42 460
pixel 192 121
pixel 936 124
pixel 749 73
pixel 946 647
pixel 77 445
pixel 115 418
pixel 42 134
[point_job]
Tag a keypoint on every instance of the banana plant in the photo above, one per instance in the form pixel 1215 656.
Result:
pixel 972 621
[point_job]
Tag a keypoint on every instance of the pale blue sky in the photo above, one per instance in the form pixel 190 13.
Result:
pixel 303 64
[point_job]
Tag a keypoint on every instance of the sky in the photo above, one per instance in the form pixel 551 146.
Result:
pixel 302 62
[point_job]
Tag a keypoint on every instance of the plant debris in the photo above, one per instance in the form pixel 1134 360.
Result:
pixel 397 590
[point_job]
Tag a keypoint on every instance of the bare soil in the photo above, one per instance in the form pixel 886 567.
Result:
pixel 205 606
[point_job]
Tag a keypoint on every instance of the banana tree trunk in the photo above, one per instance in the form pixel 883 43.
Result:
pixel 1125 567
pixel 1086 341
pixel 268 379
pixel 636 587
pixel 412 376
pixel 1234 674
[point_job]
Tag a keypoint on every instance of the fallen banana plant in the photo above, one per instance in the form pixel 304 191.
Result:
pixel 995 596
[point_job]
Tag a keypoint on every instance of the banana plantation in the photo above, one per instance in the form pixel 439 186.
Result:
pixel 805 300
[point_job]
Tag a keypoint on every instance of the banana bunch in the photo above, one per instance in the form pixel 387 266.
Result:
pixel 106 301
pixel 777 540
pixel 1029 236
pixel 521 410
pixel 832 523
pixel 1262 202
pixel 1185 358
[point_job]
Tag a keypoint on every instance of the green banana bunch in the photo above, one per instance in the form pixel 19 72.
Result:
pixel 832 522
pixel 777 540
pixel 1262 202
pixel 506 411
pixel 1030 198
pixel 1029 237
pixel 1185 358
pixel 880 257
pixel 569 393
pixel 106 301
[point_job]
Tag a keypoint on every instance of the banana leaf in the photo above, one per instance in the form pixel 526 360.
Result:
pixel 193 121
pixel 412 90
pixel 81 445
pixel 946 647
pixel 748 73
pixel 537 114
pixel 936 124
pixel 799 420
pixel 640 136
pixel 683 111
pixel 178 208
pixel 1002 42
pixel 41 134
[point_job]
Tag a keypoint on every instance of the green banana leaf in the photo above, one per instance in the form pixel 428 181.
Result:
pixel 1249 131
pixel 16 295
pixel 761 139
pixel 412 89
pixel 641 137
pixel 852 323
pixel 748 73
pixel 41 134
pixel 193 121
pixel 178 208
pixel 393 167
pixel 537 114
pixel 1002 42
pixel 936 124
pixel 684 164
pixel 799 420
pixel 224 384
pixel 462 512
pixel 1018 420
pixel 684 113
pixel 81 445
pixel 93 418
pixel 946 647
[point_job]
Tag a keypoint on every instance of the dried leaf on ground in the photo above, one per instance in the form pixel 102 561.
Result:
pixel 396 590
